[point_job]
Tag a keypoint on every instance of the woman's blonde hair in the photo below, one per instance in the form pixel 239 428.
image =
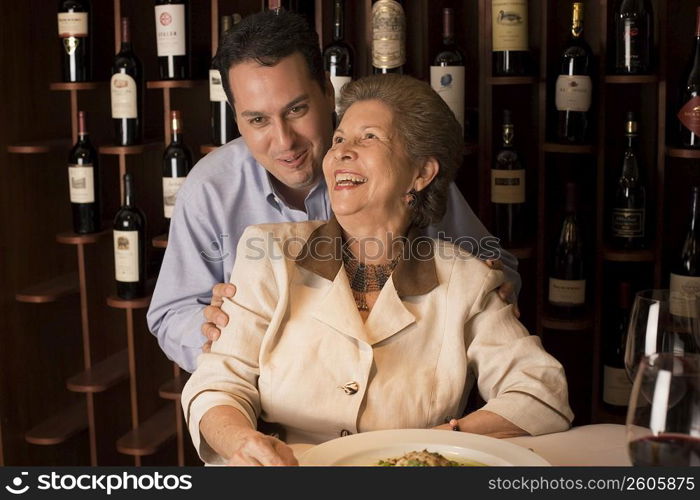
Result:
pixel 426 126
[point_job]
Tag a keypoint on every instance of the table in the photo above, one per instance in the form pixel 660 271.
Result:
pixel 598 445
pixel 588 445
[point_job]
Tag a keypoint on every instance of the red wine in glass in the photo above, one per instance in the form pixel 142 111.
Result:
pixel 663 411
pixel 666 449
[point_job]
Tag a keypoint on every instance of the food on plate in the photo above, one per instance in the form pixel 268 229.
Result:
pixel 423 458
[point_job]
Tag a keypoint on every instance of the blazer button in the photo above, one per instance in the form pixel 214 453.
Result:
pixel 350 388
pixel 345 432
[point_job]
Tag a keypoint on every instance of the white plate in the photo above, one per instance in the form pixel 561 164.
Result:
pixel 368 448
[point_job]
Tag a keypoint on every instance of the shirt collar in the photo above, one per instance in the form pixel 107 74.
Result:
pixel 277 201
pixel 414 274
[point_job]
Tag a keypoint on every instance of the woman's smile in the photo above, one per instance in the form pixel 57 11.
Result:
pixel 347 179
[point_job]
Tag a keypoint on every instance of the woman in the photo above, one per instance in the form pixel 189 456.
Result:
pixel 360 324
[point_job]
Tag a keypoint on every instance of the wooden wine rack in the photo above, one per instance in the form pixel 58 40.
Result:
pixel 119 408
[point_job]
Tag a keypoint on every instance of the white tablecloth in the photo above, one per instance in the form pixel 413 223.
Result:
pixel 601 444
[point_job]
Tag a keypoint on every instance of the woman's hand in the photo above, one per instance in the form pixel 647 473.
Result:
pixel 230 434
pixel 486 423
pixel 256 448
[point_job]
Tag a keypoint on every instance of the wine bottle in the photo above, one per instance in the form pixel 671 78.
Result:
pixel 447 71
pixel 616 384
pixel 177 162
pixel 689 108
pixel 685 268
pixel 130 246
pixel 567 282
pixel 74 32
pixel 223 124
pixel 508 190
pixel 388 37
pixel 126 91
pixel 629 206
pixel 338 55
pixel 574 88
pixel 84 182
pixel 634 36
pixel 509 37
pixel 172 39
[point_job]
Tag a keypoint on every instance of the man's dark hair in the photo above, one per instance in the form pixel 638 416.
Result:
pixel 267 37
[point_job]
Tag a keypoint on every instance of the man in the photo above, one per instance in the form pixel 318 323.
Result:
pixel 272 71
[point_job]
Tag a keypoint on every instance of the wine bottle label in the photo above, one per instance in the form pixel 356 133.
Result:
pixel 216 87
pixel 126 256
pixel 509 25
pixel 388 34
pixel 81 182
pixel 170 30
pixel 567 292
pixel 684 295
pixel 573 93
pixel 338 82
pixel 171 185
pixel 71 44
pixel 72 24
pixel 632 43
pixel 507 186
pixel 689 115
pixel 628 222
pixel 124 96
pixel 448 81
pixel 616 386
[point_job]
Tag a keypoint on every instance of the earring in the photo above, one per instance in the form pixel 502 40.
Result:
pixel 412 196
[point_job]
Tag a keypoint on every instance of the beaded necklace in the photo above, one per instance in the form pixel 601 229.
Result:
pixel 365 278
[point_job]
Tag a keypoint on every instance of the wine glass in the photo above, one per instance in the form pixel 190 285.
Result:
pixel 661 321
pixel 663 420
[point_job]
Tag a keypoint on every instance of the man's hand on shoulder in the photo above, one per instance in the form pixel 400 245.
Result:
pixel 507 289
pixel 215 319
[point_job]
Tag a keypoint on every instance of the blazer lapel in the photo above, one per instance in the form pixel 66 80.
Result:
pixel 414 275
pixel 388 316
pixel 338 310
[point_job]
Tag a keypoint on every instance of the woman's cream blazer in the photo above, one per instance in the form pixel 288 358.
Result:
pixel 297 353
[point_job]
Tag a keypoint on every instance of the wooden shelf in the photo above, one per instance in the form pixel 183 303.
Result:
pixel 150 435
pixel 570 149
pixel 511 80
pixel 77 85
pixel 39 147
pixel 103 375
pixel 60 427
pixel 138 303
pixel 207 148
pixel 136 149
pixel 689 154
pixel 614 255
pixel 631 79
pixel 70 238
pixel 50 290
pixel 160 241
pixel 521 253
pixel 553 323
pixel 174 84
pixel 172 389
